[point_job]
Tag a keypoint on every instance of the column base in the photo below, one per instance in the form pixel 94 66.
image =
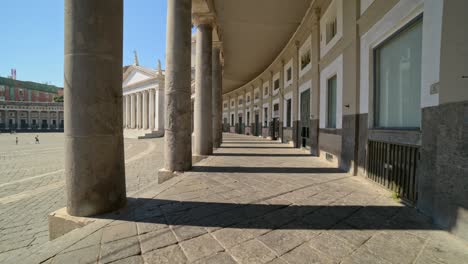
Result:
pixel 61 223
pixel 165 175
pixel 198 158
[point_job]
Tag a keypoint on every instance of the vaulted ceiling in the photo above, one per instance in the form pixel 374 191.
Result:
pixel 253 33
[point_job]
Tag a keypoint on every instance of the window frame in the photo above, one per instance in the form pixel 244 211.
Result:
pixel 335 77
pixel 375 72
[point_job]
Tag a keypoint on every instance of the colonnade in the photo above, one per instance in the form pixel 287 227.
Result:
pixel 94 166
pixel 143 110
pixel 13 119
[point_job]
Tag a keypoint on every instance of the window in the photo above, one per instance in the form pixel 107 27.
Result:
pixel 225 105
pixel 248 99
pixel 248 118
pixel 289 74
pixel 277 84
pixel 305 60
pixel 288 113
pixel 232 119
pixel 331 102
pixel 256 95
pixel 398 79
pixel 332 29
pixel 232 104
pixel 241 101
pixel 265 114
pixel 265 91
pixel 276 110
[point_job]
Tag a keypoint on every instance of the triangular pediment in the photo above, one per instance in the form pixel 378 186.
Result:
pixel 136 74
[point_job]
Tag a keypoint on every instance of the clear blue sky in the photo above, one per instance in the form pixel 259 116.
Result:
pixel 31 37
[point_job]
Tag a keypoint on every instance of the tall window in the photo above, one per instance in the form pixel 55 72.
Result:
pixel 331 102
pixel 232 119
pixel 277 84
pixel 276 110
pixel 332 29
pixel 288 113
pixel 289 74
pixel 305 59
pixel 265 115
pixel 265 91
pixel 398 79
pixel 248 118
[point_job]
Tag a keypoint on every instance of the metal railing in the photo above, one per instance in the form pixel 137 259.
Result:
pixel 394 166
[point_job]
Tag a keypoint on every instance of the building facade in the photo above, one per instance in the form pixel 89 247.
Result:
pixel 30 106
pixel 376 88
pixel 143 101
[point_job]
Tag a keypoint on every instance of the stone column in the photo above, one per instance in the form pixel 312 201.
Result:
pixel 145 109
pixel 159 120
pixel 138 111
pixel 18 120
pixel 133 111
pixel 151 109
pixel 128 115
pixel 203 128
pixel 178 143
pixel 94 150
pixel 124 107
pixel 217 104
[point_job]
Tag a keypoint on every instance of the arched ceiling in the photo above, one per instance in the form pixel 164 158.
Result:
pixel 254 32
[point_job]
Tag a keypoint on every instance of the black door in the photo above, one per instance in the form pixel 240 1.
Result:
pixel 304 123
pixel 240 131
pixel 257 125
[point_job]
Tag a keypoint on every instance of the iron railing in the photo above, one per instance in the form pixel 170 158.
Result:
pixel 394 166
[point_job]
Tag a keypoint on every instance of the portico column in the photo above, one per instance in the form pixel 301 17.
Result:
pixel 151 109
pixel 94 150
pixel 138 110
pixel 203 128
pixel 133 110
pixel 124 111
pixel 217 97
pixel 29 119
pixel 145 109
pixel 7 119
pixel 178 151
pixel 127 109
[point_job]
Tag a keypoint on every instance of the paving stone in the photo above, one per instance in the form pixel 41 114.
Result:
pixel 200 247
pixel 130 260
pixel 158 239
pixel 81 256
pixel 281 240
pixel 230 237
pixel 119 249
pixel 363 255
pixel 252 251
pixel 151 225
pixel 171 255
pixel 222 257
pixel 187 232
pixel 332 246
pixel 119 231
pixel 305 254
pixel 277 261
pixel 399 247
pixel 91 240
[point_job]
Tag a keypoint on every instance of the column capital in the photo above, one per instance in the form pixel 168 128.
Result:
pixel 203 19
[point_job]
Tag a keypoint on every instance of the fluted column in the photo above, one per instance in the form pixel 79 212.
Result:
pixel 151 109
pixel 133 111
pixel 178 153
pixel 217 97
pixel 159 120
pixel 94 150
pixel 203 128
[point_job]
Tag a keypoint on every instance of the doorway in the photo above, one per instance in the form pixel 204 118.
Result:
pixel 304 124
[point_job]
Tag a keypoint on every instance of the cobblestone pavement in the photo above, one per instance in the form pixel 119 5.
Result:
pixel 32 184
pixel 256 201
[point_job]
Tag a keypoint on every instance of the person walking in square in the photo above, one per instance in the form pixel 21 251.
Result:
pixel 16 140
pixel 37 139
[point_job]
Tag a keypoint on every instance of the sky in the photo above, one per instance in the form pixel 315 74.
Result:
pixel 31 39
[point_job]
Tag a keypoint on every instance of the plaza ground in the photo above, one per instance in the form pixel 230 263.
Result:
pixel 253 201
pixel 32 184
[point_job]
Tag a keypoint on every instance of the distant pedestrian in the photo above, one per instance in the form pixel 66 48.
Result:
pixel 16 140
pixel 37 139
